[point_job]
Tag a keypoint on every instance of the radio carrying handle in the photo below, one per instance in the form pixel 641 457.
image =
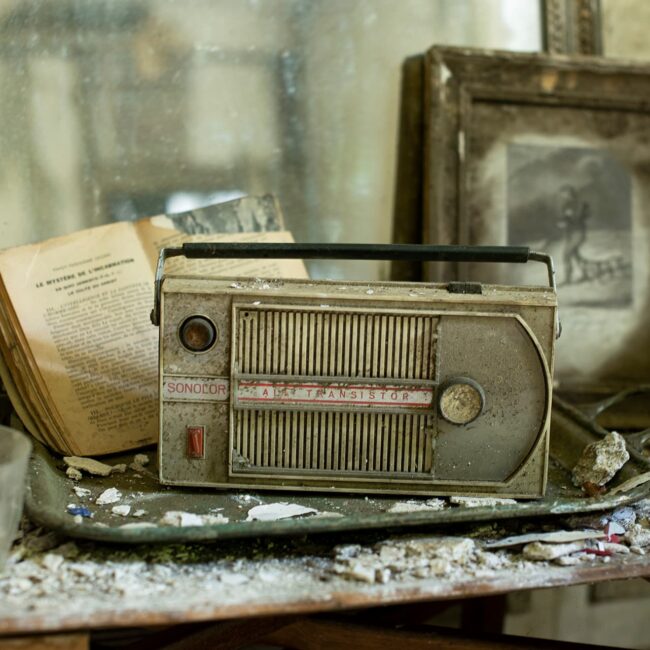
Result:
pixel 385 252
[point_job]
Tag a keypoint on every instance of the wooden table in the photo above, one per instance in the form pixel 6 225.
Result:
pixel 269 592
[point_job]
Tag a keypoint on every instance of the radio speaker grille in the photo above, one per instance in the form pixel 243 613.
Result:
pixel 343 345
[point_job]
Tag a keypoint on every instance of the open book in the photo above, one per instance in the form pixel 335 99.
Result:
pixel 78 353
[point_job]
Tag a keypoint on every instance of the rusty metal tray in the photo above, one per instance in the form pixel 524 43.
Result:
pixel 49 491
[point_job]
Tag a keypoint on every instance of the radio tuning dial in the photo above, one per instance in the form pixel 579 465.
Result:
pixel 197 333
pixel 461 400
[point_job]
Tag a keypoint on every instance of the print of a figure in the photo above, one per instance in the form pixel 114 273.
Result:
pixel 572 222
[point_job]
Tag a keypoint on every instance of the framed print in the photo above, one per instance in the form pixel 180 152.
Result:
pixel 552 153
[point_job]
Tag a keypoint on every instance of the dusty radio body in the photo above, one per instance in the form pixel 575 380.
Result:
pixel 364 387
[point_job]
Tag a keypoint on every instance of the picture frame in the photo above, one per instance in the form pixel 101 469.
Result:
pixel 552 152
pixel 572 26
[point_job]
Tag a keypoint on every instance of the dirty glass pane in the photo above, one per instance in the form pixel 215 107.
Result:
pixel 118 109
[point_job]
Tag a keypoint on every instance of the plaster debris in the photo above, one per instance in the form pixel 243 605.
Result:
pixel 637 535
pixel 211 520
pixel 431 505
pixel 642 508
pixel 181 518
pixel 361 572
pixel 556 537
pixel 234 579
pixel 326 514
pixel 89 465
pixel 122 510
pixel 415 557
pixel 78 519
pixel 479 502
pixel 82 493
pixel 347 551
pixel 141 459
pixel 52 561
pixel 140 513
pixel 275 511
pixel 120 468
pixel 631 483
pixel 74 473
pixel 541 551
pixel 601 460
pixel 156 578
pixel 112 495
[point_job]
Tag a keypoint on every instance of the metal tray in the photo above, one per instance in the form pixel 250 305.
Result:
pixel 49 491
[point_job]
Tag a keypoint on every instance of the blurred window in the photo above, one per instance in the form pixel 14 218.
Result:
pixel 115 110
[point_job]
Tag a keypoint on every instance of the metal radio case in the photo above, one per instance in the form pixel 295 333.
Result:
pixel 379 387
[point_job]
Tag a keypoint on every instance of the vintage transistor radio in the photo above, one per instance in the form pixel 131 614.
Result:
pixel 379 387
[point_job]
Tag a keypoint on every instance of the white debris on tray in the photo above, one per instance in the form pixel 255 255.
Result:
pixel 74 473
pixel 601 460
pixel 121 510
pixel 82 493
pixel 139 513
pixel 111 495
pixel 276 511
pixel 326 514
pixel 88 465
pixel 479 502
pixel 181 518
pixel 430 505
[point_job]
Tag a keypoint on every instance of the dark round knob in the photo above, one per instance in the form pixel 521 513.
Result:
pixel 198 333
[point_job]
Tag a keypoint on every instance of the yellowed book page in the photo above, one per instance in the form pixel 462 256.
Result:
pixel 17 401
pixel 83 302
pixel 158 232
pixel 25 377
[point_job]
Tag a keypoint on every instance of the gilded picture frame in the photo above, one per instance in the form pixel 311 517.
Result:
pixel 551 152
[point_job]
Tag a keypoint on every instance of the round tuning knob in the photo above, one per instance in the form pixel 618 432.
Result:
pixel 461 400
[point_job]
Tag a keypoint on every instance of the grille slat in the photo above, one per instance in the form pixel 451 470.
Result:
pixel 285 342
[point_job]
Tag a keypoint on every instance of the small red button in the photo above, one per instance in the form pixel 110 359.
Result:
pixel 195 440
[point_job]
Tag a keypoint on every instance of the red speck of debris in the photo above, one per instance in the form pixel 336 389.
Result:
pixel 597 551
pixel 592 489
